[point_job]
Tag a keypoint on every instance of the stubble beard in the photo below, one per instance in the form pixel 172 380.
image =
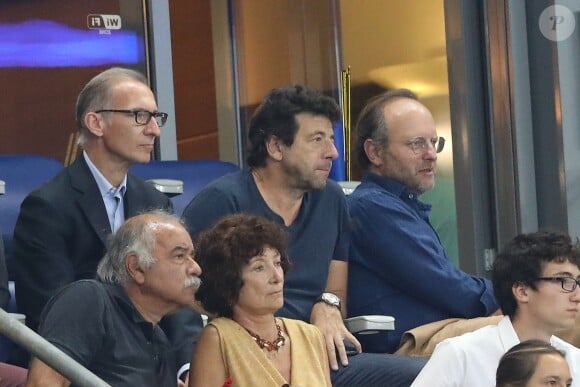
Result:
pixel 297 179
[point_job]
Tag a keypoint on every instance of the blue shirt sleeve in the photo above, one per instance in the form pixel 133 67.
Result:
pixel 396 243
pixel 343 241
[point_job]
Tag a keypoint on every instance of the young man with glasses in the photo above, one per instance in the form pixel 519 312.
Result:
pixel 535 279
pixel 398 265
pixel 63 226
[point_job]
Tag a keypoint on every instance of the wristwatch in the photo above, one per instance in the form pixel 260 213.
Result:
pixel 330 299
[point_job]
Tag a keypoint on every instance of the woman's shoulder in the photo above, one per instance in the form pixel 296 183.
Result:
pixel 300 326
pixel 222 322
pixel 225 327
pixel 210 336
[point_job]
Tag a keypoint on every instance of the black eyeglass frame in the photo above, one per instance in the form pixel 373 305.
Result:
pixel 563 280
pixel 160 117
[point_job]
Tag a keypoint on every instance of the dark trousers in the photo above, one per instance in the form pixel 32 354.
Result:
pixel 378 369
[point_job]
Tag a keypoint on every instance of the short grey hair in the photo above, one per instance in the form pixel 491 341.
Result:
pixel 97 92
pixel 136 236
pixel 371 122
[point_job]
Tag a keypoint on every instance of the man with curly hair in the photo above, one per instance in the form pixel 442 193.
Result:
pixel 291 149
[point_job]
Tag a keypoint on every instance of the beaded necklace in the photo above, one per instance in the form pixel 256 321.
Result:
pixel 269 345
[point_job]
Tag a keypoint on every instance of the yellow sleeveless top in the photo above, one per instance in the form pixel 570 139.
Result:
pixel 247 365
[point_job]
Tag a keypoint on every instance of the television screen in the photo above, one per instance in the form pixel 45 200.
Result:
pixel 48 50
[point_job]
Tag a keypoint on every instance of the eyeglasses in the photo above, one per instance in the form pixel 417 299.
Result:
pixel 569 284
pixel 420 144
pixel 142 117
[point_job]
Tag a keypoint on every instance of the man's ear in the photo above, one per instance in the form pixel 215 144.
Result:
pixel 94 123
pixel 135 271
pixel 521 292
pixel 274 147
pixel 374 151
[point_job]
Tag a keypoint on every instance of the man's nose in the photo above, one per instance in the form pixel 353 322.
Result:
pixel 194 267
pixel 430 153
pixel 152 128
pixel 575 295
pixel 332 152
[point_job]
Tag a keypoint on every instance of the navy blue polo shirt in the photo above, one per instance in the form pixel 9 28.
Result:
pixel 97 325
pixel 318 235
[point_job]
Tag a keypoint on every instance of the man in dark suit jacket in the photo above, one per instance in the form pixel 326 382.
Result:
pixel 62 228
pixel 62 231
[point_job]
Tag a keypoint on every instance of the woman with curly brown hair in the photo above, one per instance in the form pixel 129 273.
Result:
pixel 244 261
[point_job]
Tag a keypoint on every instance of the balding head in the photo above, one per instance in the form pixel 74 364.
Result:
pixel 397 138
pixel 371 122
pixel 97 93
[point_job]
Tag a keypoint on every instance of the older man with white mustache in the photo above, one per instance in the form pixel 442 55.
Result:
pixel 110 325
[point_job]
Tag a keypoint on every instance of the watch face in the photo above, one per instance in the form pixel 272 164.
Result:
pixel 331 298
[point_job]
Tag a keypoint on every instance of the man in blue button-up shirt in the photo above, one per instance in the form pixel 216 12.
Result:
pixel 398 265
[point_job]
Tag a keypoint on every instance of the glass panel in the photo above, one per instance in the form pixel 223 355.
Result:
pixel 48 51
pixel 279 43
pixel 564 29
pixel 392 44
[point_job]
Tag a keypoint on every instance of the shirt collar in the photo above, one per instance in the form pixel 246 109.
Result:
pixel 125 303
pixel 509 336
pixel 105 187
pixel 398 189
pixel 391 185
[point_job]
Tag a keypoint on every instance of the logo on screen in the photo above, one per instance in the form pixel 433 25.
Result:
pixel 104 22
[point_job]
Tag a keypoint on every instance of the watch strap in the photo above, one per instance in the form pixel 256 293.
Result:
pixel 326 298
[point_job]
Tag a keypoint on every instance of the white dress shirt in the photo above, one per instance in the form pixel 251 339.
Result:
pixel 471 360
pixel 112 196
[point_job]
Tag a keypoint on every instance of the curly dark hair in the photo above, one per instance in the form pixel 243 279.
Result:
pixel 523 259
pixel 225 249
pixel 371 122
pixel 276 116
pixel 517 365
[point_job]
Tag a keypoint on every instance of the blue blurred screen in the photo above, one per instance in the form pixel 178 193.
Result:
pixel 45 43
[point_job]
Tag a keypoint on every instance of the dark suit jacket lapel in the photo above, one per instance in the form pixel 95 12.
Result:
pixel 133 200
pixel 89 199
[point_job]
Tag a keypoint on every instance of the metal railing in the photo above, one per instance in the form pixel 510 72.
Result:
pixel 48 353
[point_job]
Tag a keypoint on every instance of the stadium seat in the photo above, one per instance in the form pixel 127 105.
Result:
pixel 21 174
pixel 195 174
pixel 5 343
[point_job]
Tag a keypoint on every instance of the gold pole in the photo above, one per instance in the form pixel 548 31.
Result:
pixel 345 99
pixel 69 146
